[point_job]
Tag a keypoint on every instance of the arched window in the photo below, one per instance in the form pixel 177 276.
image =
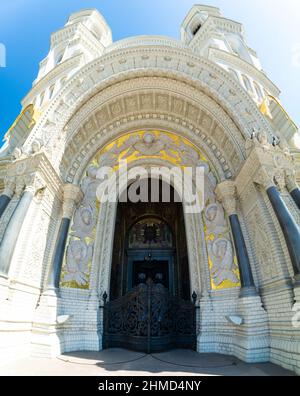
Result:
pixel 234 74
pixel 63 81
pixel 59 58
pixel 247 83
pixel 196 29
pixel 51 90
pixel 258 90
pixel 42 98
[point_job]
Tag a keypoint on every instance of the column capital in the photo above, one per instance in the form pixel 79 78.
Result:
pixel 227 194
pixel 72 195
pixel 33 183
pixel 290 179
pixel 264 178
pixel 9 186
pixel 20 185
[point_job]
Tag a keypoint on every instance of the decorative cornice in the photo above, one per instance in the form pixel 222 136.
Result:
pixel 38 164
pixel 145 41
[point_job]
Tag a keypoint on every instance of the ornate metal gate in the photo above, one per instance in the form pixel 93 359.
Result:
pixel 149 319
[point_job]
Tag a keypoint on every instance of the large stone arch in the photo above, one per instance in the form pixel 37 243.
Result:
pixel 153 103
pixel 199 75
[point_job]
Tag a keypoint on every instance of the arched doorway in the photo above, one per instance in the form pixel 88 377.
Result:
pixel 150 307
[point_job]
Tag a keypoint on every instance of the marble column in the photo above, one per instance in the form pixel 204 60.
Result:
pixel 293 188
pixel 226 192
pixel 26 190
pixel 71 197
pixel 7 195
pixel 290 229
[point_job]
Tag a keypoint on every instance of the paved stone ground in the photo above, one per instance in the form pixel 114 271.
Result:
pixel 121 362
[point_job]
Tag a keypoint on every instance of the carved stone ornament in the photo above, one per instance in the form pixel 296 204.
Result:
pixel 151 145
pixel 20 185
pixel 78 256
pixel 283 144
pixel 221 254
pixel 34 183
pixel 36 145
pixel 17 153
pixel 226 193
pixel 84 221
pixel 264 179
pixel 215 219
pixel 89 186
pixel 279 179
pixel 9 186
pixel 72 197
pixel 258 139
pixel 290 179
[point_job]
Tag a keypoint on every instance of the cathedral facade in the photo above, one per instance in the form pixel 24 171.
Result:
pixel 78 273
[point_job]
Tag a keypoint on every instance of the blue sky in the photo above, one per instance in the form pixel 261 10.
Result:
pixel 272 27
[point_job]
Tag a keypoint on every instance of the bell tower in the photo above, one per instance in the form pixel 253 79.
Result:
pixel 83 39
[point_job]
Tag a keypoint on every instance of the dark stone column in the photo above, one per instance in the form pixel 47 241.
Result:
pixel 293 187
pixel 4 201
pixel 295 194
pixel 71 197
pixel 7 195
pixel 12 231
pixel 289 227
pixel 226 192
pixel 247 281
pixel 54 276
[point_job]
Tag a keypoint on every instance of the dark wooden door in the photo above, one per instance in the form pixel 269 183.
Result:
pixel 149 319
pixel 157 271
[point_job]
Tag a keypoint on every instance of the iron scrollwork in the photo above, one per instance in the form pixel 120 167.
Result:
pixel 149 319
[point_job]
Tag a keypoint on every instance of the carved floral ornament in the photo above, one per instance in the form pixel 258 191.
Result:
pixel 170 149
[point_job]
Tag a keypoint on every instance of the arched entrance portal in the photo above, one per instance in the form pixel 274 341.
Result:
pixel 150 307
